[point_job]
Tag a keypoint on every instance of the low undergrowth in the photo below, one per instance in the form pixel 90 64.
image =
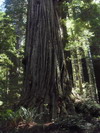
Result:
pixel 10 119
pixel 86 120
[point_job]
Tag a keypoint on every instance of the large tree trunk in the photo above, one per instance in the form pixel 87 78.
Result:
pixel 45 66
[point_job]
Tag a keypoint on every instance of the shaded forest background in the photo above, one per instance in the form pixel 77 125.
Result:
pixel 79 31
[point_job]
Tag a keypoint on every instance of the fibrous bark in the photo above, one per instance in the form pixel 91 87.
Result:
pixel 45 66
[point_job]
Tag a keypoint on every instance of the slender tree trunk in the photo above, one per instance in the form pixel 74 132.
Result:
pixel 75 68
pixel 80 73
pixel 92 87
pixel 45 67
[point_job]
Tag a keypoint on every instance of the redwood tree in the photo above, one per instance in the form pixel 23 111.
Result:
pixel 46 82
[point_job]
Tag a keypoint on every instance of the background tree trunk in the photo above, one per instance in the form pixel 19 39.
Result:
pixel 75 68
pixel 92 90
pixel 80 73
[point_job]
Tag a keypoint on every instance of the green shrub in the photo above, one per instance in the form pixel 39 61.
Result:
pixel 22 115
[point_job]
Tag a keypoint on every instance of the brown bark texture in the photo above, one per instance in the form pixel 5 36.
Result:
pixel 44 85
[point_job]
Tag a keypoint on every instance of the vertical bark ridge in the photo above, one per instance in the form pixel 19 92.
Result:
pixel 43 82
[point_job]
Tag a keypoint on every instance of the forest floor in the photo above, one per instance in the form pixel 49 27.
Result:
pixel 86 120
